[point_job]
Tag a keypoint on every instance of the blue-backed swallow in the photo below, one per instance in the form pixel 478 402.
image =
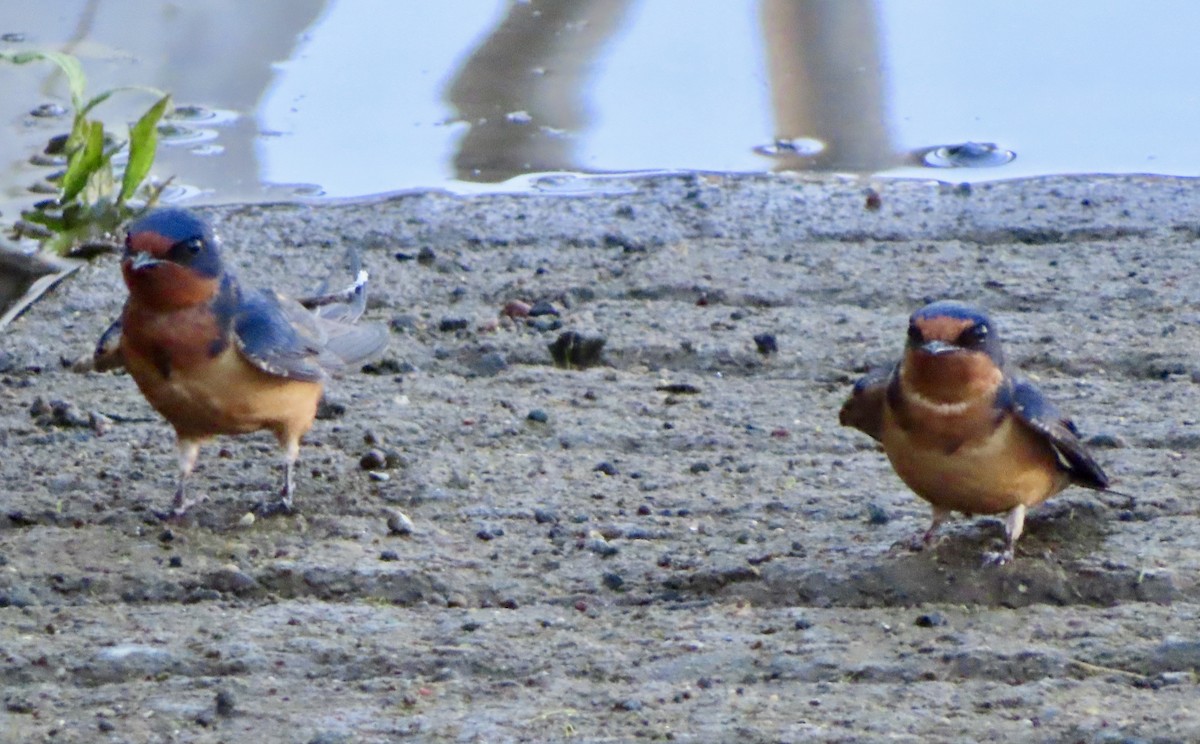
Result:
pixel 964 433
pixel 214 358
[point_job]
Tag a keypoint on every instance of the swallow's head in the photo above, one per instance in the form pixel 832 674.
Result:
pixel 953 353
pixel 172 259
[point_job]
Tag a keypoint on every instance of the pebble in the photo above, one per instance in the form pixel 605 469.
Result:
pixel 540 308
pixel 546 323
pixel 930 620
pixel 538 416
pixel 516 309
pixel 106 726
pixel 398 523
pixel 374 459
pixel 699 467
pixel 573 350
pixel 765 343
pixel 247 520
pixel 606 467
pixel 389 555
pixel 426 255
pixel 612 581
pixel 601 547
pixel 545 516
pixel 877 515
pixel 489 533
pixel 226 703
pixel 448 325
pixel 1105 440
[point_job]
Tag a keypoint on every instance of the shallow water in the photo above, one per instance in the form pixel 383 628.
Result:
pixel 344 98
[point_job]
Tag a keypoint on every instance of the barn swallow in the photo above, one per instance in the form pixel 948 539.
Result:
pixel 961 431
pixel 213 358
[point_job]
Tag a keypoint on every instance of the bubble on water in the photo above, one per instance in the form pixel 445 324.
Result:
pixel 195 114
pixel 49 111
pixel 804 147
pixel 177 135
pixel 967 155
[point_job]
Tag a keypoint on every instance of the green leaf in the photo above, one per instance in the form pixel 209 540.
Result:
pixel 83 162
pixel 102 97
pixel 76 80
pixel 143 144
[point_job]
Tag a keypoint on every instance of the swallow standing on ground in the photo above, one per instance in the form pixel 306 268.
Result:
pixel 213 358
pixel 962 432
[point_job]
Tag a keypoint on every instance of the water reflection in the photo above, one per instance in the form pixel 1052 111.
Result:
pixel 522 91
pixel 366 96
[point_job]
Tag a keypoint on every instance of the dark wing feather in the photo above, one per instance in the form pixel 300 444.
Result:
pixel 864 408
pixel 108 349
pixel 1032 408
pixel 280 337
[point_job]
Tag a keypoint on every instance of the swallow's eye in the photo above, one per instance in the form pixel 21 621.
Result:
pixel 195 246
pixel 973 336
pixel 915 337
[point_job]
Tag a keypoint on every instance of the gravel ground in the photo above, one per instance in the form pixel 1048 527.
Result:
pixel 679 543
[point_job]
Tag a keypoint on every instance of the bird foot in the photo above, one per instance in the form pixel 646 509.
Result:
pixel 919 542
pixel 274 508
pixel 997 557
pixel 179 510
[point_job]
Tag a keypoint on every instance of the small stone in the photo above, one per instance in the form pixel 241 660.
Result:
pixel 930 620
pixel 628 706
pixel 1105 440
pixel 448 325
pixel 606 467
pixel 542 307
pixel 426 255
pixel 105 725
pixel 226 703
pixel 538 416
pixel 612 581
pixel 545 324
pixel 877 515
pixel 802 624
pixel 13 37
pixel 175 561
pixel 699 467
pixel 379 477
pixel 398 523
pixel 18 705
pixel 545 516
pixel 488 364
pixel 573 350
pixel 516 309
pixel 374 459
pixel 205 718
pixel 601 547
pixel 330 409
pixel 765 343
pixel 247 520
pixel 488 534
pixel 389 555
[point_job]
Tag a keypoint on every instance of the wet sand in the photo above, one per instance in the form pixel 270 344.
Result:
pixel 679 544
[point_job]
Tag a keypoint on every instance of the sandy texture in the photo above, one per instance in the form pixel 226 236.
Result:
pixel 680 544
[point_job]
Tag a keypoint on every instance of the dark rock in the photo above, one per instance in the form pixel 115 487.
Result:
pixel 330 409
pixel 612 581
pixel 538 416
pixel 678 388
pixel 546 323
pixel 877 515
pixel 448 324
pixel 541 308
pixel 487 364
pixel 1105 440
pixel 699 467
pixel 426 255
pixel 374 459
pixel 398 523
pixel 389 555
pixel 226 703
pixel 607 468
pixel 545 516
pixel 573 350
pixel 175 561
pixel 930 620
pixel 765 343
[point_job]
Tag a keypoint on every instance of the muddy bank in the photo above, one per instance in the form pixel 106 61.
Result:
pixel 678 544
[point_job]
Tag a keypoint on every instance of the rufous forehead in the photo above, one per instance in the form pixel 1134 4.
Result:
pixel 153 243
pixel 943 328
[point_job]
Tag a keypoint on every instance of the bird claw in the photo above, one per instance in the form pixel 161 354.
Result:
pixel 274 508
pixel 179 510
pixel 997 558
